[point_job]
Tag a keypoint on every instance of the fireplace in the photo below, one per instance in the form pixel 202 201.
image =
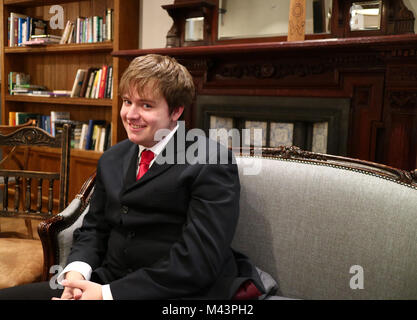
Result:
pixel 315 124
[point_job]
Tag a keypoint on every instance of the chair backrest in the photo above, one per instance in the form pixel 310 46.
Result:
pixel 328 227
pixel 26 184
pixel 22 164
pixel 56 233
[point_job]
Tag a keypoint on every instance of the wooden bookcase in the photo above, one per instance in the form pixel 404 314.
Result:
pixel 55 67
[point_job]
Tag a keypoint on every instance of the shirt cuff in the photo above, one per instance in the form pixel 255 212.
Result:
pixel 106 292
pixel 81 267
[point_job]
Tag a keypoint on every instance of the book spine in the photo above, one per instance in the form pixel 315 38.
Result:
pixel 103 81
pixel 109 82
pixel 89 134
pixel 90 84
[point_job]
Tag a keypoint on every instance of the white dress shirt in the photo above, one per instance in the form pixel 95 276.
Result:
pixel 84 268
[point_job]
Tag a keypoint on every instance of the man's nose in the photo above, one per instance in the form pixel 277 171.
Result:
pixel 134 112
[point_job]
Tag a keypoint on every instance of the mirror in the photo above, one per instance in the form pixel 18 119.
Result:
pixel 268 18
pixel 194 29
pixel 365 15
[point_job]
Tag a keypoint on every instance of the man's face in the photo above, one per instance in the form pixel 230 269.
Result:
pixel 143 116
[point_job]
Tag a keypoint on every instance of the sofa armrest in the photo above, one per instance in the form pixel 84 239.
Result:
pixel 56 232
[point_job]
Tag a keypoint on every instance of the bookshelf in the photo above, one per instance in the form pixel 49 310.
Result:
pixel 55 66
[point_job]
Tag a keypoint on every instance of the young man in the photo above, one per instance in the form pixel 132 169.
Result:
pixel 159 229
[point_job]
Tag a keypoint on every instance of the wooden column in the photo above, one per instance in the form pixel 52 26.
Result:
pixel 297 20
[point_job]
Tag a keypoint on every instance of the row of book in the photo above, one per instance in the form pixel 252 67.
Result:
pixel 89 29
pixel 19 84
pixel 21 27
pixel 91 135
pixel 24 30
pixel 95 83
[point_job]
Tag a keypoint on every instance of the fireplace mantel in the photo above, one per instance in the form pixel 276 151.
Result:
pixel 338 44
pixel 378 74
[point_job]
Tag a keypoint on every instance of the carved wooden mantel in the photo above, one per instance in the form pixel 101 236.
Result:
pixel 378 74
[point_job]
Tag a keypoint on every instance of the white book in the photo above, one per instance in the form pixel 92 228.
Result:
pixel 98 139
pixel 67 29
pixel 102 139
pixel 83 136
pixel 71 34
pixel 13 26
pixel 78 81
pixel 96 86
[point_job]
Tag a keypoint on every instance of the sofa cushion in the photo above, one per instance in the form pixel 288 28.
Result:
pixel 309 225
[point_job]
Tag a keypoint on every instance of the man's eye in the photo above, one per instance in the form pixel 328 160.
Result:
pixel 147 106
pixel 126 101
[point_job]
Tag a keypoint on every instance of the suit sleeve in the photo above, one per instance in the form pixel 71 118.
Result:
pixel 196 259
pixel 90 240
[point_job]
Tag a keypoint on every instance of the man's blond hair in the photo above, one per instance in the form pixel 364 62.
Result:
pixel 167 77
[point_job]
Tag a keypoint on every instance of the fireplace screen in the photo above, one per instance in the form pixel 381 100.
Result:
pixel 314 124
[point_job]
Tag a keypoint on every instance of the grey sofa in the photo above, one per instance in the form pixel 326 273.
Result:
pixel 324 227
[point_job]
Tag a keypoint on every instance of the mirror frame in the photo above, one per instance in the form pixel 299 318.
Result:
pixel 396 18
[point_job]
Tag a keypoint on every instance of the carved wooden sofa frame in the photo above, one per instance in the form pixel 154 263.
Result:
pixel 312 221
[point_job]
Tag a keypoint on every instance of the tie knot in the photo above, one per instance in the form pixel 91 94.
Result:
pixel 146 157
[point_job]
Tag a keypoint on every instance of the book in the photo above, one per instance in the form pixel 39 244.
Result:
pixel 94 88
pixel 90 83
pixel 107 142
pixel 102 140
pixel 109 24
pixel 78 81
pixel 17 79
pixel 12 118
pixel 58 115
pixel 14 27
pixel 40 41
pixel 109 83
pixel 23 117
pixel 95 139
pixel 46 123
pixel 85 82
pixel 59 124
pixel 89 137
pixel 83 137
pixel 65 34
pixel 102 81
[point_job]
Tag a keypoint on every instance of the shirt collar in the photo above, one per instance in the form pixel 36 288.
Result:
pixel 157 148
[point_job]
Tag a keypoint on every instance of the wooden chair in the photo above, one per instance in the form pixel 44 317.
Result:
pixel 20 163
pixel 25 197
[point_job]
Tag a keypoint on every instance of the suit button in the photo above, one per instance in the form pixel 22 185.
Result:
pixel 131 235
pixel 125 209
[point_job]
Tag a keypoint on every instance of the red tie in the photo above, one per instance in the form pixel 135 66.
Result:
pixel 145 160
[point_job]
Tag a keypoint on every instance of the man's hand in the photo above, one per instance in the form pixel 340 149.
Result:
pixel 71 293
pixel 89 290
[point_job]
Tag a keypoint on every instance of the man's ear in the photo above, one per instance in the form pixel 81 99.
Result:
pixel 177 112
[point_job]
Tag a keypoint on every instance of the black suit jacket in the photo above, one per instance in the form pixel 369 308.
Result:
pixel 168 235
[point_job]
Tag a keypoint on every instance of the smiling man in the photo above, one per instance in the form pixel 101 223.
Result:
pixel 158 230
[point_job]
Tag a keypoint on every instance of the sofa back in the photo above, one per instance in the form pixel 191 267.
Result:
pixel 330 229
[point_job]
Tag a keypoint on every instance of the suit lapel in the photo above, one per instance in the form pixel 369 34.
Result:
pixel 172 154
pixel 129 166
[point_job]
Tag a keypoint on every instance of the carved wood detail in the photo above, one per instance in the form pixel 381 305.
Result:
pixel 346 67
pixel 400 19
pixel 30 136
pixel 402 100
